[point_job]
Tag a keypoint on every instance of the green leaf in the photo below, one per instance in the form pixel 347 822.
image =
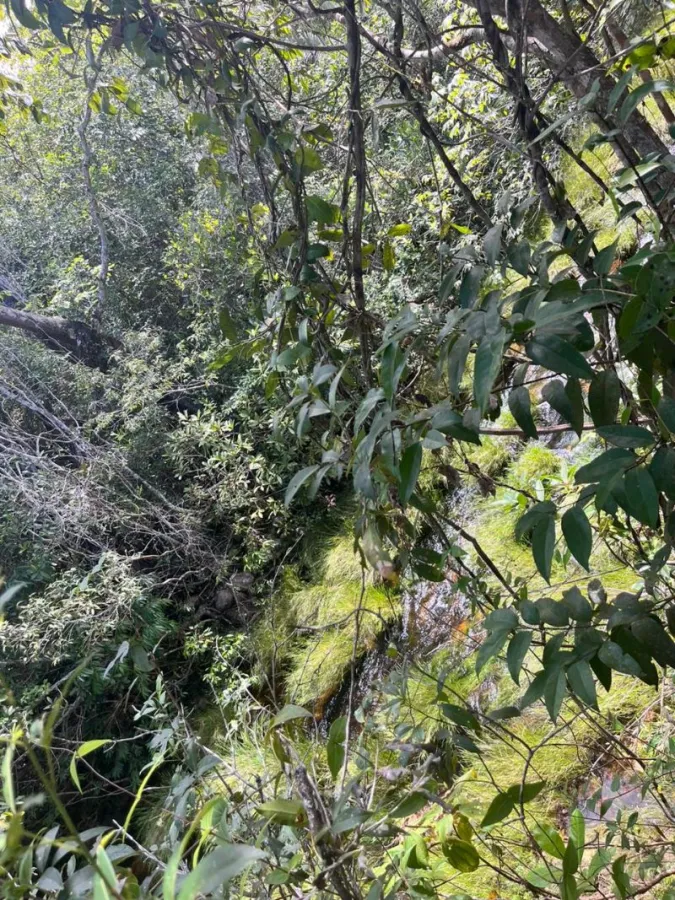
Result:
pixel 661 468
pixel 552 612
pixel 335 748
pixel 83 750
pixel 283 812
pixel 517 650
pixel 8 777
pixel 666 411
pixel 539 511
pixel 399 230
pixel 577 829
pixel 24 15
pixel 626 436
pixel 612 655
pixel 321 212
pixel 418 857
pixel 636 97
pixel 602 262
pixel 566 401
pixel 657 643
pixel 410 805
pixel 227 325
pixel 581 682
pixel 549 840
pixel 490 647
pixel 391 369
pixel 58 15
pixel 529 791
pixel 217 868
pixel 461 855
pixel 492 243
pixel 520 407
pixel 578 606
pixel 543 545
pixel 578 535
pixel 411 463
pixel 367 405
pixel 460 716
pixel 519 256
pixel 290 713
pixel 558 355
pixel 607 464
pixel 554 692
pixel 388 256
pixel 308 160
pixel 500 807
pixel 468 291
pixel 487 364
pixel 457 362
pixel 604 395
pixel 297 482
pixel 642 499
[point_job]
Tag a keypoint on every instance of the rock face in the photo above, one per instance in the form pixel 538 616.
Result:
pixel 232 603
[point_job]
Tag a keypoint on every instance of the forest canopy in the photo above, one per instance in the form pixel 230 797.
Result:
pixel 337 460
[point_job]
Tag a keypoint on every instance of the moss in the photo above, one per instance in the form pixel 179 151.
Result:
pixel 492 456
pixel 532 465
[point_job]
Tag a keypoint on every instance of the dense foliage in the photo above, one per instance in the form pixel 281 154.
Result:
pixel 336 450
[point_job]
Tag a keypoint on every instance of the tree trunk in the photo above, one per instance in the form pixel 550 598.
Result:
pixel 74 339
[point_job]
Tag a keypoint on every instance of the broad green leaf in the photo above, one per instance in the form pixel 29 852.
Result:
pixel 283 812
pixel 492 243
pixel 457 362
pixel 308 160
pixel 577 605
pixel 418 858
pixel 520 407
pixel 581 682
pixel 461 855
pixel 516 652
pixel 399 230
pixel 539 511
pixel 528 791
pixel 558 355
pixel 487 364
pixel 217 868
pixel 666 411
pixel 24 15
pixel 409 805
pixel 543 545
pixel 566 401
pixel 500 807
pixel 83 750
pixel 552 612
pixel 652 635
pixel 321 212
pixel 534 691
pixel 367 405
pixel 411 463
pixel 459 716
pixel 554 692
pixel 468 291
pixel 602 261
pixel 391 369
pixel 642 499
pixel 608 463
pixel 626 436
pixel 335 747
pixel 577 829
pixel 490 647
pixel 578 535
pixel 227 326
pixel 289 713
pixel 661 468
pixel 297 482
pixel 388 256
pixel 604 395
pixel 549 840
pixel 636 97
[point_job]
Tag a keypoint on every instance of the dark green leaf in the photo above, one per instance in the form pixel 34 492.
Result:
pixel 529 791
pixel 297 482
pixel 666 411
pixel 411 463
pixel 578 535
pixel 549 840
pixel 410 805
pixel 552 612
pixel 321 212
pixel 578 606
pixel 534 690
pixel 662 470
pixel 218 867
pixel 486 367
pixel 289 713
pixel 459 716
pixel 492 243
pixel 604 395
pixel 282 812
pixel 335 747
pixel 533 516
pixel 555 353
pixel 520 406
pixel 457 362
pixel 626 436
pixel 543 545
pixel 500 807
pixel 517 650
pixel 491 647
pixel 652 635
pixel 636 97
pixel 608 463
pixel 468 290
pixel 461 855
pixel 642 499
pixel 581 682
pixel 554 692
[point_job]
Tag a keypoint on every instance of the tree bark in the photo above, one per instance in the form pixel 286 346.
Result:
pixel 75 339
